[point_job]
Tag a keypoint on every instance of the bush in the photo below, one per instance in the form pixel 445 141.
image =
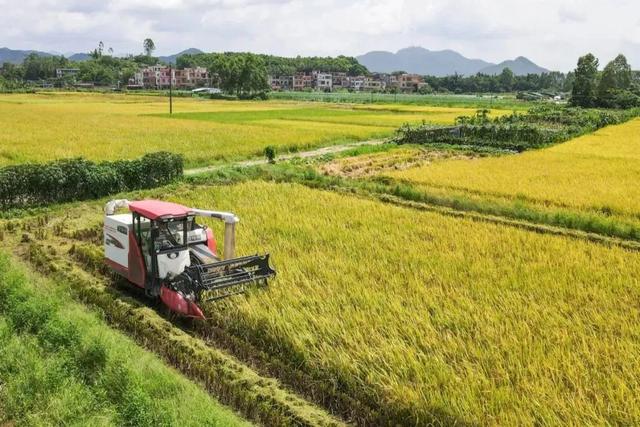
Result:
pixel 541 126
pixel 79 179
pixel 270 153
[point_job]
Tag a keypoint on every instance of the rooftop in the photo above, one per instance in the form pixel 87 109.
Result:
pixel 155 209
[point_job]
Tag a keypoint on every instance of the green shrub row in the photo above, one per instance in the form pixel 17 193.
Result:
pixel 67 180
pixel 512 137
pixel 539 127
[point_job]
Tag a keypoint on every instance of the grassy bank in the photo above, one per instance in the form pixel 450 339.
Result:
pixel 60 365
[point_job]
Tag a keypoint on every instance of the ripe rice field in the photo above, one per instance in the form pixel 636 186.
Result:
pixel 596 172
pixel 48 126
pixel 426 318
pixel 382 313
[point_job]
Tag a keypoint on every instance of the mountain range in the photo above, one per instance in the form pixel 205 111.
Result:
pixel 18 56
pixel 412 60
pixel 441 63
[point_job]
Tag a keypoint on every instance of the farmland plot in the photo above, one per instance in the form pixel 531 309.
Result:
pixel 44 127
pixel 592 172
pixel 422 317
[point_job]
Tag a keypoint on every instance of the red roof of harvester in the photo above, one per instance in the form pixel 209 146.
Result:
pixel 154 209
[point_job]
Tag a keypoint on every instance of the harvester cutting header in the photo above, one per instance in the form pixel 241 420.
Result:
pixel 159 247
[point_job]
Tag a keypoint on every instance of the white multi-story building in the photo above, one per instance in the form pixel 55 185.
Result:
pixel 357 83
pixel 324 81
pixel 64 72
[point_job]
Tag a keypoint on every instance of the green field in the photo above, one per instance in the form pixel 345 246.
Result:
pixel 507 101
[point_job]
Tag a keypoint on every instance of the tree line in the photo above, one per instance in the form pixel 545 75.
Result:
pixel 506 81
pixel 102 69
pixel 616 86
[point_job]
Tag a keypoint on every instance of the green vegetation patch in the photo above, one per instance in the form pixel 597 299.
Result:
pixel 60 365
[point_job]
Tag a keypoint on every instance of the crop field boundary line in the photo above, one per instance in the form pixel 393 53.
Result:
pixel 385 194
pixel 233 383
pixel 476 216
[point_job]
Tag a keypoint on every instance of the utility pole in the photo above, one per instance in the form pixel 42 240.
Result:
pixel 170 89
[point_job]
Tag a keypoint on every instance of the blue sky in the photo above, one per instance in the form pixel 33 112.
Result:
pixel 551 33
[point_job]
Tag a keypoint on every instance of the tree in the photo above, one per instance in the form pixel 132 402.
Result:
pixel 97 52
pixel 11 72
pixel 615 84
pixel 37 67
pixel 270 153
pixel 584 92
pixel 149 46
pixel 506 79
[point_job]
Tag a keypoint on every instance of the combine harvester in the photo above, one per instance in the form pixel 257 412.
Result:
pixel 160 248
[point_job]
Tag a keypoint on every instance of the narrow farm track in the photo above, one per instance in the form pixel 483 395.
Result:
pixel 257 397
pixel 332 149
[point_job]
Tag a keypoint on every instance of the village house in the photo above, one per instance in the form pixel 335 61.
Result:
pixel 281 82
pixel 357 83
pixel 324 81
pixel 302 81
pixel 340 80
pixel 410 82
pixel 160 77
pixel 373 84
pixel 66 72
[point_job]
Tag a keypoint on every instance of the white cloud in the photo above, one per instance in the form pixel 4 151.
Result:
pixel 551 33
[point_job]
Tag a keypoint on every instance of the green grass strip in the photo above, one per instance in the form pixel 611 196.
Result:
pixel 60 365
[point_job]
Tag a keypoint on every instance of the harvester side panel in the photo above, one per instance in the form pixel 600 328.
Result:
pixel 116 239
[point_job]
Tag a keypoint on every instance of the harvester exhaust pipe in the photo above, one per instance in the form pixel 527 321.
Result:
pixel 230 221
pixel 229 240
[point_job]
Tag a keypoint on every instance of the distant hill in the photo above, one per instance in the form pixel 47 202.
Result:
pixel 440 63
pixel 17 56
pixel 171 59
pixel 520 66
pixel 79 57
pixel 421 61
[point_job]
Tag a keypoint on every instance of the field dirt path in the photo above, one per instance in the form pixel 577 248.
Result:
pixel 300 155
